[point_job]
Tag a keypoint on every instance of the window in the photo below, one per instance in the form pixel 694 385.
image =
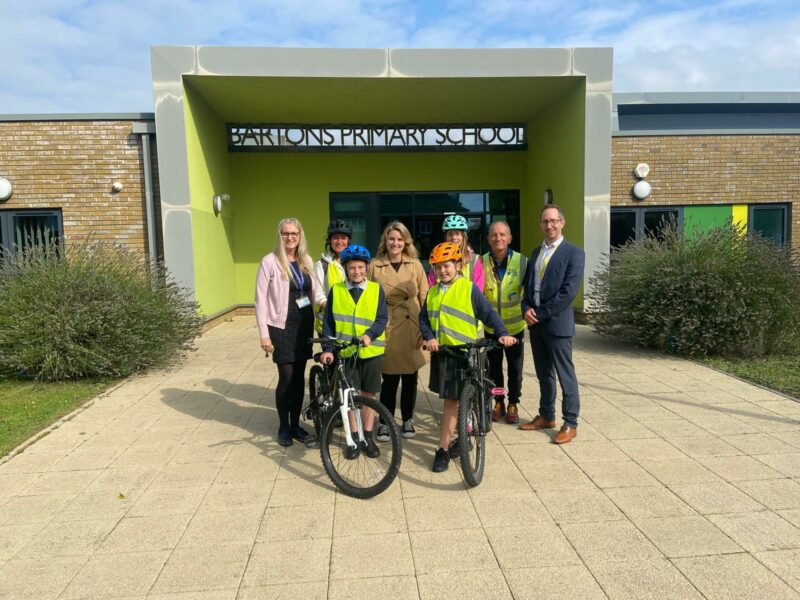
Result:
pixel 21 229
pixel 771 221
pixel 423 214
pixel 634 223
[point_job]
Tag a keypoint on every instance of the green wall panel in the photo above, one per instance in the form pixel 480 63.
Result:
pixel 212 236
pixel 703 218
pixel 269 187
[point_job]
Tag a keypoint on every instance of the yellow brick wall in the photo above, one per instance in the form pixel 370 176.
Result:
pixel 71 165
pixel 710 169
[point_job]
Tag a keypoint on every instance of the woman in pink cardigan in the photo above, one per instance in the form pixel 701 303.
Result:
pixel 285 317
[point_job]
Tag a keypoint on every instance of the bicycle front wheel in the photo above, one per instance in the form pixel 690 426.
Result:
pixel 360 476
pixel 471 437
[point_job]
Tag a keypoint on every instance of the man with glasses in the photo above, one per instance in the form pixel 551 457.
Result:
pixel 552 280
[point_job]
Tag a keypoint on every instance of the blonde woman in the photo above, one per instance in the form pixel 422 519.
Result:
pixel 285 317
pixel 402 278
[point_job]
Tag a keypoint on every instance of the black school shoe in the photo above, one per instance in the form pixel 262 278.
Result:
pixel 441 461
pixel 284 437
pixel 369 447
pixel 454 449
pixel 300 434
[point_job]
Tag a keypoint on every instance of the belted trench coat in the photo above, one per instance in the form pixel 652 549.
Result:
pixel 405 291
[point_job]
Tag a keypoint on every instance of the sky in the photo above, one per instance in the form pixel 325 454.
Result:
pixel 65 56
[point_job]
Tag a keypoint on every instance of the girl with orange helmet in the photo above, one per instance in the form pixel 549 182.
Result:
pixel 455 229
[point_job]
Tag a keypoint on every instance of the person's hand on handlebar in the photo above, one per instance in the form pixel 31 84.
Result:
pixel 326 358
pixel 432 346
pixel 507 340
pixel 365 340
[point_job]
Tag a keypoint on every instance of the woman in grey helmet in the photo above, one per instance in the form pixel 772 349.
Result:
pixel 328 270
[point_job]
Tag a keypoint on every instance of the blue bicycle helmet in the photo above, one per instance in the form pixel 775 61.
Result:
pixel 354 252
pixel 455 222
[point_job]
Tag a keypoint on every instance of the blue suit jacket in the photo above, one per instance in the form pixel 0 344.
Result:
pixel 560 284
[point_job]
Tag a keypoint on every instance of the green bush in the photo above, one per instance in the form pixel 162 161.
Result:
pixel 718 292
pixel 93 311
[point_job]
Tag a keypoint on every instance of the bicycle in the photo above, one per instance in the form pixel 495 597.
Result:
pixel 334 407
pixel 474 406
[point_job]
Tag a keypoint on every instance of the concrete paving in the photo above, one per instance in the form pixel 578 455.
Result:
pixel 682 483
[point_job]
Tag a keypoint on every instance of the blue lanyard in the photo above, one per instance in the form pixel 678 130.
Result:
pixel 299 278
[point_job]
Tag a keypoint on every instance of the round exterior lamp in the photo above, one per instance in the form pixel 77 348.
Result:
pixel 6 189
pixel 642 190
pixel 216 202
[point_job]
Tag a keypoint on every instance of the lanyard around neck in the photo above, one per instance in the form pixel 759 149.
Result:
pixel 298 276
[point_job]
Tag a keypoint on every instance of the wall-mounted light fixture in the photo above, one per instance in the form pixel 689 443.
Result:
pixel 6 189
pixel 548 196
pixel 116 187
pixel 217 201
pixel 641 188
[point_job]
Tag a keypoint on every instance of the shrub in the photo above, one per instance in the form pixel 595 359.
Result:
pixel 718 292
pixel 93 311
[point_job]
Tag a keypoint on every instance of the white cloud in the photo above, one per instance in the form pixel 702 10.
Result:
pixel 84 56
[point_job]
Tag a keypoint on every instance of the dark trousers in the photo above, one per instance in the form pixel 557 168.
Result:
pixel 408 393
pixel 515 356
pixel 289 393
pixel 552 355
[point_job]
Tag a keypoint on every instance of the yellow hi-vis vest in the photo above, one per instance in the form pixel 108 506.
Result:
pixel 506 296
pixel 353 319
pixel 332 277
pixel 451 314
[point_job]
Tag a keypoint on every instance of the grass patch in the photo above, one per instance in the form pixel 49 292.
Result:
pixel 27 407
pixel 777 372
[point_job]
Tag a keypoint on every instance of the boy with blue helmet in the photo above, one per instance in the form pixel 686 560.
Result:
pixel 357 308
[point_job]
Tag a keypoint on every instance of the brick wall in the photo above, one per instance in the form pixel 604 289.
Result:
pixel 710 169
pixel 71 165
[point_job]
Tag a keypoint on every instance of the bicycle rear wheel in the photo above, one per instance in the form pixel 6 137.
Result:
pixel 362 476
pixel 471 437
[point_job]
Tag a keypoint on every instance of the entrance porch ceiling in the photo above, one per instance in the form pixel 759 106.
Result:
pixel 383 100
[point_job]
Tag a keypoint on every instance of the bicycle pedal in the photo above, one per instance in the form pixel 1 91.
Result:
pixel 311 442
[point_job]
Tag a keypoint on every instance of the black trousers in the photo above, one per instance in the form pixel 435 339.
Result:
pixel 408 393
pixel 515 357
pixel 552 355
pixel 289 393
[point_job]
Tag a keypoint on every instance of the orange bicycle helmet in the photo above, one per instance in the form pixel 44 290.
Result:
pixel 444 252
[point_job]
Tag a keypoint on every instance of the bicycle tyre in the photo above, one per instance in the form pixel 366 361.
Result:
pixel 472 453
pixel 362 477
pixel 317 391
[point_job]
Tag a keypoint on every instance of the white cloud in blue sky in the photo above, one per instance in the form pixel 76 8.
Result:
pixel 93 56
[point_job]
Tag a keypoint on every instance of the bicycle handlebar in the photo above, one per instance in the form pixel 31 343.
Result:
pixel 487 343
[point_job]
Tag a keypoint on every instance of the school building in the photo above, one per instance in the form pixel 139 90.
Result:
pixel 242 137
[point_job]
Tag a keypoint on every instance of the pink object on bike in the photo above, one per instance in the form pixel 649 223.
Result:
pixel 498 391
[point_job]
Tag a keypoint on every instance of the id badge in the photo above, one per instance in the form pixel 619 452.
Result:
pixel 303 301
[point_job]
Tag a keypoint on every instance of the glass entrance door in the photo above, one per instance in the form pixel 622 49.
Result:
pixel 423 214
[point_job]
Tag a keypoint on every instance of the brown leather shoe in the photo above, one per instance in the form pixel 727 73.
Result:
pixel 538 423
pixel 566 435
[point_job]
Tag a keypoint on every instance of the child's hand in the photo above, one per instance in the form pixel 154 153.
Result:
pixel 507 340
pixel 326 358
pixel 432 345
pixel 366 340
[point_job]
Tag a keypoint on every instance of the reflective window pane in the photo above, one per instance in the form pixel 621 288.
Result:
pixel 623 227
pixel 770 222
pixel 656 220
pixel 395 203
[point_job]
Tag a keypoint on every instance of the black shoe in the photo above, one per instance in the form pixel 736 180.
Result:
pixel 300 434
pixel 284 437
pixel 454 449
pixel 369 446
pixel 441 461
pixel 351 453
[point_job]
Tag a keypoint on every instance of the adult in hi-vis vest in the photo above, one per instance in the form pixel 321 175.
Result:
pixel 357 308
pixel 450 317
pixel 504 274
pixel 328 269
pixel 555 272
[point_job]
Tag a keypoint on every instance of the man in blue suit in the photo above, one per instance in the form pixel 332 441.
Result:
pixel 552 280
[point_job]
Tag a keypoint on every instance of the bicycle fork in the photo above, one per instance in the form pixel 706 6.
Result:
pixel 345 405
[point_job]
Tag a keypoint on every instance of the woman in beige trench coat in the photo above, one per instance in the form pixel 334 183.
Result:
pixel 402 277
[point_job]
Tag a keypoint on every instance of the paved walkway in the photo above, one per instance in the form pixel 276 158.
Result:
pixel 682 483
